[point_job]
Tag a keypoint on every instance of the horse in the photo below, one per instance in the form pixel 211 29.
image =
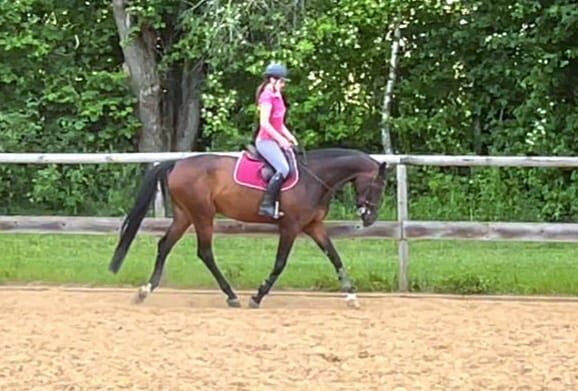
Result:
pixel 203 185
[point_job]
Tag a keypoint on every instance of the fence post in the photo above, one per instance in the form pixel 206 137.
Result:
pixel 402 216
pixel 159 206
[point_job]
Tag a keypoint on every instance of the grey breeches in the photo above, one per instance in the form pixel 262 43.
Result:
pixel 273 153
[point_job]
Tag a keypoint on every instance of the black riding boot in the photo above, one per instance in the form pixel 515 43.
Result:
pixel 269 204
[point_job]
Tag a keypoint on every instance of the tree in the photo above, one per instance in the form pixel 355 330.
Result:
pixel 62 90
pixel 171 47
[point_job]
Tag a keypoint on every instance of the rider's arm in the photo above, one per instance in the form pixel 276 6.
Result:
pixel 288 135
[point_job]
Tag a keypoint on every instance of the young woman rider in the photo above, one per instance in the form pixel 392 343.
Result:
pixel 273 136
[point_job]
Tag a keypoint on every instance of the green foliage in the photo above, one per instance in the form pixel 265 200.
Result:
pixel 478 77
pixel 62 90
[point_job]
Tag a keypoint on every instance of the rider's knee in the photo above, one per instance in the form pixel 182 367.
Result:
pixel 284 171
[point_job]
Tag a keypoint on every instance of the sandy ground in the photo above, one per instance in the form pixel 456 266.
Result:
pixel 62 340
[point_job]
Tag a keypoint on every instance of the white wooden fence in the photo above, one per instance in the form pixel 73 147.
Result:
pixel 402 230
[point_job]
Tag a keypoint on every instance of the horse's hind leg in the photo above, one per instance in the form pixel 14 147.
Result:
pixel 176 230
pixel 204 230
pixel 319 234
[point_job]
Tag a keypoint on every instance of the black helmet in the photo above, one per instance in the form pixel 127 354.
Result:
pixel 276 70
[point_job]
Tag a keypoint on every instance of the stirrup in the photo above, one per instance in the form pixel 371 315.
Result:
pixel 277 214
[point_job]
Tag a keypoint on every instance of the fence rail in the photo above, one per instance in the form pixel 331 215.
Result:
pixel 158 226
pixel 431 230
pixel 415 160
pixel 401 230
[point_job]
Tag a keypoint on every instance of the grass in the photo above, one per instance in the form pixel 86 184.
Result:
pixel 435 266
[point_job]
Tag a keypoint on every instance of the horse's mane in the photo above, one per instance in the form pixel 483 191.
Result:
pixel 332 153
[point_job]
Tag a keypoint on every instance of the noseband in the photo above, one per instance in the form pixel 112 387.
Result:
pixel 366 206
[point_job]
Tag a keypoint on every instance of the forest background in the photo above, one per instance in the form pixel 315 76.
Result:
pixel 465 78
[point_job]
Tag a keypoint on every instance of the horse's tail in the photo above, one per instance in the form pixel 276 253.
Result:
pixel 133 220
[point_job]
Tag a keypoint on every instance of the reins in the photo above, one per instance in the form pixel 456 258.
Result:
pixel 302 163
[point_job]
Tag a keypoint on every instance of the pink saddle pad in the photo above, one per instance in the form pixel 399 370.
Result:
pixel 248 172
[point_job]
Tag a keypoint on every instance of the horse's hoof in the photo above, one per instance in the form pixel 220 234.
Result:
pixel 234 303
pixel 141 294
pixel 253 303
pixel 351 301
pixel 139 297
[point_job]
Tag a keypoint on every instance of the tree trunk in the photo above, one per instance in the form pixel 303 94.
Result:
pixel 387 98
pixel 188 113
pixel 477 134
pixel 140 58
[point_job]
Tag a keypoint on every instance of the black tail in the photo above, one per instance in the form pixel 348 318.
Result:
pixel 133 220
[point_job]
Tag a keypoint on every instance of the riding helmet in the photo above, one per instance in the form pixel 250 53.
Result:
pixel 276 70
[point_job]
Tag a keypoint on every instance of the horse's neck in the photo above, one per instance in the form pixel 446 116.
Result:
pixel 341 170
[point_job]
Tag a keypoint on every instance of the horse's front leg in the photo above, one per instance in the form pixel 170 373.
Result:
pixel 286 240
pixel 319 234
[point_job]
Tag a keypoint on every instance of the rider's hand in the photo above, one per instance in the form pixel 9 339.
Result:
pixel 285 144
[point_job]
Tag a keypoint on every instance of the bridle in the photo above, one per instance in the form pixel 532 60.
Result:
pixel 365 206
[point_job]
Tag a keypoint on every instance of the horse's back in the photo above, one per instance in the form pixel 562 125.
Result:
pixel 203 185
pixel 208 162
pixel 201 169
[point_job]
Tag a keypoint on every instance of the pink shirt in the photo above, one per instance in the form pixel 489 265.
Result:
pixel 277 117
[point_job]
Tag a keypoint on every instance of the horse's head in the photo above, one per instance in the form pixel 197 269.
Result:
pixel 369 191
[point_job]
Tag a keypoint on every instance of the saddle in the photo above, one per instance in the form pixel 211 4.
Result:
pixel 254 171
pixel 267 171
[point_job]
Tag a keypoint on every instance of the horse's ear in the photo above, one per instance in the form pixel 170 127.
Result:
pixel 382 168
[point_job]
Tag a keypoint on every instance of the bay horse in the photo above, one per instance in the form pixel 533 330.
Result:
pixel 202 186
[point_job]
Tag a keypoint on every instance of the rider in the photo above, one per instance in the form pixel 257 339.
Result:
pixel 273 136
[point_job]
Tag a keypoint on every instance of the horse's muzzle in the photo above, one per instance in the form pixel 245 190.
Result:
pixel 367 215
pixel 362 210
